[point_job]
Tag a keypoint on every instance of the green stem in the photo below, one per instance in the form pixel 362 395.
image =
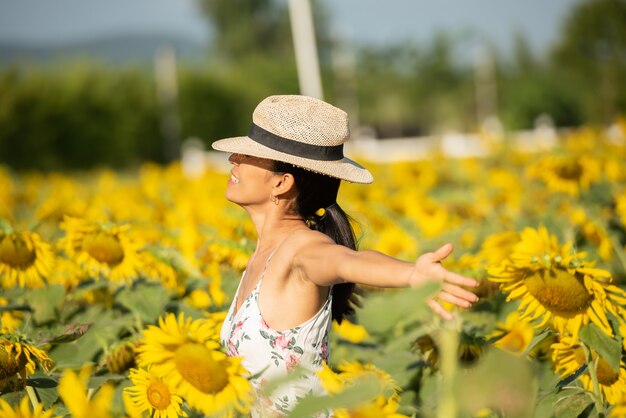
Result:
pixel 448 348
pixel 619 251
pixel 32 395
pixel 592 365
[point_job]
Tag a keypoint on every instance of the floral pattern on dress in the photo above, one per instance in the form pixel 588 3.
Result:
pixel 270 354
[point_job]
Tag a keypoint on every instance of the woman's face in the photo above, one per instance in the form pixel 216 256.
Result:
pixel 250 180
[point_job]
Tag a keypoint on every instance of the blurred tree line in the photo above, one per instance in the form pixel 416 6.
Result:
pixel 77 115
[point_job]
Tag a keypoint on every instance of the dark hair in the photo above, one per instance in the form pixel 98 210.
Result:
pixel 316 191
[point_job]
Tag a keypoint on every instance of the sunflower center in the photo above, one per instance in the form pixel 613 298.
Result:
pixel 196 364
pixel 606 375
pixel 104 247
pixel 159 395
pixel 571 170
pixel 10 364
pixel 16 252
pixel 514 341
pixel 558 291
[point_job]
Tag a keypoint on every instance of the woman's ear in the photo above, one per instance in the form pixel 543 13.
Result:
pixel 285 184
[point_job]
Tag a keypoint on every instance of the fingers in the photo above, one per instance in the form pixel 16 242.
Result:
pixel 439 310
pixel 457 295
pixel 442 252
pixel 454 295
pixel 459 280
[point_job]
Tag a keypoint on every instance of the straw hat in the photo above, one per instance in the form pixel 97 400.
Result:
pixel 302 131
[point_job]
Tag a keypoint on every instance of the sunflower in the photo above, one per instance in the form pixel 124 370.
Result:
pixel 431 217
pixel 394 240
pixel 620 207
pixel 102 248
pixel 555 284
pixel 593 233
pixel 380 408
pixel 568 357
pixel 471 348
pixel 61 196
pixel 199 299
pixel 152 394
pixel 384 405
pixel 66 273
pixel 9 321
pixel 18 357
pixel 73 390
pixel 25 259
pixel 348 331
pixel 7 190
pixel 514 335
pixel 122 357
pixel 504 190
pixel 186 354
pixel 155 267
pixel 619 410
pixel 497 247
pixel 213 272
pixel 228 253
pixel 569 175
pixel 23 410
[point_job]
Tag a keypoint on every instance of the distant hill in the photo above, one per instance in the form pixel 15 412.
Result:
pixel 114 50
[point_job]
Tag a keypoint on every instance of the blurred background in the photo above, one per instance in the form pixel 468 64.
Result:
pixel 117 83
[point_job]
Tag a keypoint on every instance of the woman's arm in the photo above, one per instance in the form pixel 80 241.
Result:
pixel 326 263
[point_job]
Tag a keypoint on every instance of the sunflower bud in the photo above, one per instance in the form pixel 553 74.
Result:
pixel 122 358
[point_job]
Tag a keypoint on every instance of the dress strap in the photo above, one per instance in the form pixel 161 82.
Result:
pixel 267 263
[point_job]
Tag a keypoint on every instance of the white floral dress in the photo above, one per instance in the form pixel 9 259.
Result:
pixel 269 354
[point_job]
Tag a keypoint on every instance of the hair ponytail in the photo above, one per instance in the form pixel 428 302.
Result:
pixel 317 191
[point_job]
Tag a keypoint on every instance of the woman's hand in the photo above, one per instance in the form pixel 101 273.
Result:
pixel 428 268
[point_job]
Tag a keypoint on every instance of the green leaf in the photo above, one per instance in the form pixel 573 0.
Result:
pixel 363 390
pixel 383 310
pixel 45 301
pixel 500 381
pixel 46 389
pixel 277 382
pixel 146 301
pixel 537 340
pixel 545 406
pixel 97 381
pixel 608 348
pixel 572 406
pixel 400 365
pixel 566 381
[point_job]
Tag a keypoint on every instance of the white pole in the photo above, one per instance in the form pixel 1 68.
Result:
pixel 167 91
pixel 486 86
pixel 303 33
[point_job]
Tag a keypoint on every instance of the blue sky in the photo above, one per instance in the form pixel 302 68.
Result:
pixel 374 21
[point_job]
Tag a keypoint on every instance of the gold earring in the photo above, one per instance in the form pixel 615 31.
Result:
pixel 274 199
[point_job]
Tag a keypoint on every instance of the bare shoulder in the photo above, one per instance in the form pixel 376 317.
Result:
pixel 303 239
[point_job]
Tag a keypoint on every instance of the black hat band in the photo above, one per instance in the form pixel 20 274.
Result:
pixel 295 148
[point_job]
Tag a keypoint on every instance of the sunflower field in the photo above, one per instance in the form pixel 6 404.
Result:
pixel 113 287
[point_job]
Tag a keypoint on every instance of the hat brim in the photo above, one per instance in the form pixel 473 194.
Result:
pixel 344 169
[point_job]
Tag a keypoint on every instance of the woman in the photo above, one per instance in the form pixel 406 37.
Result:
pixel 286 175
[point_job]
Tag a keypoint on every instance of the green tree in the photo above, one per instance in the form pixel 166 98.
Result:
pixel 591 55
pixel 530 87
pixel 248 26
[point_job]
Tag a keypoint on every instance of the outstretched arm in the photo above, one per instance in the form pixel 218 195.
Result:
pixel 428 268
pixel 326 263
